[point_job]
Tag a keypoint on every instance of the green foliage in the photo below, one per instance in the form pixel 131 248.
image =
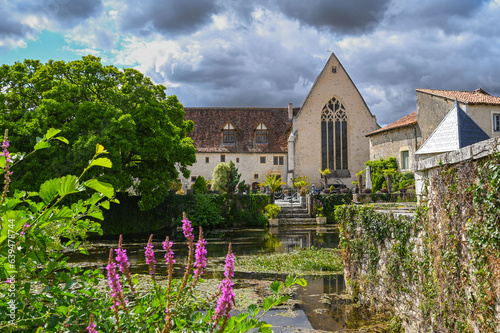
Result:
pixel 34 227
pixel 273 182
pixel 300 261
pixel 128 218
pixel 206 212
pixel 331 201
pixel 377 169
pixel 200 186
pixel 272 211
pixel 143 130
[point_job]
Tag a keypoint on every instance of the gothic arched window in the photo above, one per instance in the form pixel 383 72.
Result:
pixel 334 136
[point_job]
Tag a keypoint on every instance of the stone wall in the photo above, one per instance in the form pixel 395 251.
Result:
pixel 438 272
pixel 393 142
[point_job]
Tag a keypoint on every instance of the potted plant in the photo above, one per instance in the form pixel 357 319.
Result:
pixel 272 211
pixel 301 183
pixel 325 174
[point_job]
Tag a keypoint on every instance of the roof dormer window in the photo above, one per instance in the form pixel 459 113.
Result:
pixel 229 134
pixel 261 133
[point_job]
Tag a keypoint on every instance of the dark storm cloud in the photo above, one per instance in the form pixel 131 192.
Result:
pixel 450 16
pixel 62 13
pixel 257 73
pixel 10 28
pixel 170 17
pixel 348 17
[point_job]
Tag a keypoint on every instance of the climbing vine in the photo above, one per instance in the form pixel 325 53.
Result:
pixel 441 269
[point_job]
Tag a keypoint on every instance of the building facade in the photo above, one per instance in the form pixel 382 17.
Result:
pixel 328 131
pixel 405 136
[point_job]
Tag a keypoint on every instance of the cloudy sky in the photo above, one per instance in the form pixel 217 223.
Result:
pixel 268 53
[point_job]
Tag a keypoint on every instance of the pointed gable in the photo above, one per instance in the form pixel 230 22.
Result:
pixel 456 130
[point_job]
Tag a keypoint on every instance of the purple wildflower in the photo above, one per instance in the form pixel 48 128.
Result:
pixel 187 228
pixel 200 255
pixel 115 286
pixel 8 161
pixel 123 264
pixel 169 255
pixel 226 299
pixel 91 327
pixel 150 256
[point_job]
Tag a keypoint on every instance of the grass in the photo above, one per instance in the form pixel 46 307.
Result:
pixel 301 261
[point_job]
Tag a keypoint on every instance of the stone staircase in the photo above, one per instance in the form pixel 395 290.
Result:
pixel 294 214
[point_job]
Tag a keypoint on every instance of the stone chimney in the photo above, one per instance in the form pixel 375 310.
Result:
pixel 290 111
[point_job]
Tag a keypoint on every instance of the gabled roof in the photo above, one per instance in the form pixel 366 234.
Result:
pixel 327 67
pixel 406 121
pixel 456 130
pixel 478 96
pixel 209 122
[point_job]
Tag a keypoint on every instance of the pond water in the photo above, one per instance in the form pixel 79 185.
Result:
pixel 323 302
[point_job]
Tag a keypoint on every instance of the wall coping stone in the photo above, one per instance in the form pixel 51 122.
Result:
pixel 474 152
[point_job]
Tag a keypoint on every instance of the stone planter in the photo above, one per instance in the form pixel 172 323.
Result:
pixel 274 222
pixel 361 197
pixel 302 200
pixel 321 219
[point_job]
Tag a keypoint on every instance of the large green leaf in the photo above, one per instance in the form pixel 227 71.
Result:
pixel 49 189
pixel 69 184
pixel 51 133
pixel 41 145
pixel 101 187
pixel 104 162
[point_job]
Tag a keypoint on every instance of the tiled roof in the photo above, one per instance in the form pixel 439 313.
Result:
pixel 209 121
pixel 456 130
pixel 478 96
pixel 408 120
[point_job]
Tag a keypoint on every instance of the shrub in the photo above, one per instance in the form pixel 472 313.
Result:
pixel 272 210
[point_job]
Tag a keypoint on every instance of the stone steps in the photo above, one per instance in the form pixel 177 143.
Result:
pixel 289 221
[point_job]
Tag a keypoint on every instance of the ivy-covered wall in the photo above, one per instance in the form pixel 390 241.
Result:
pixel 438 272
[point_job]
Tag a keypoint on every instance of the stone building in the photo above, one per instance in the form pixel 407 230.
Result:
pixel 404 137
pixel 400 139
pixel 327 131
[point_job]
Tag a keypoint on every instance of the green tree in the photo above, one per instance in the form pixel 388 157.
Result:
pixel 200 185
pixel 225 177
pixel 378 168
pixel 143 129
pixel 273 182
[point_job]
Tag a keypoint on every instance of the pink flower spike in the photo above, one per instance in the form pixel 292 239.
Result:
pixel 187 228
pixel 91 327
pixel 150 255
pixel 226 300
pixel 200 255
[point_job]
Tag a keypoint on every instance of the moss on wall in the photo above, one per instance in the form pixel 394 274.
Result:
pixel 441 270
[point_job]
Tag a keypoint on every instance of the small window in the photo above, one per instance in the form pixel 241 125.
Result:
pixel 256 176
pixel 223 158
pixel 405 160
pixel 496 122
pixel 262 160
pixel 228 134
pixel 237 160
pixel 282 160
pixel 207 159
pixel 261 133
pixel 278 160
pixel 193 178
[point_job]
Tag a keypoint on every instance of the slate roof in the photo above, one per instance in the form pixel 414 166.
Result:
pixel 209 121
pixel 456 130
pixel 408 120
pixel 478 96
